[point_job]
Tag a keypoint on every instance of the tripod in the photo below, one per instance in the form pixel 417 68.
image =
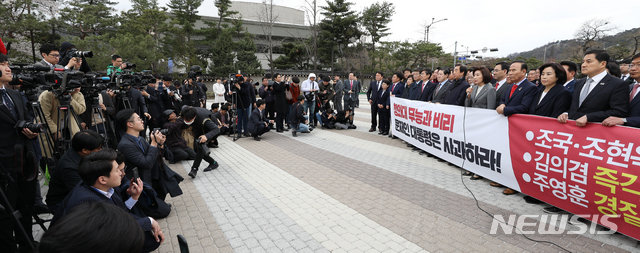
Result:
pixel 97 118
pixel 65 114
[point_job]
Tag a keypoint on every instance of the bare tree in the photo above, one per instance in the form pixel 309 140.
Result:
pixel 591 31
pixel 312 16
pixel 267 19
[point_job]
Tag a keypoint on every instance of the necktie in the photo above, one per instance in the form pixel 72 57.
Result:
pixel 585 91
pixel 633 91
pixel 379 84
pixel 394 87
pixel 8 103
pixel 439 86
pixel 351 85
pixel 139 142
pixel 422 90
pixel 513 89
pixel 497 84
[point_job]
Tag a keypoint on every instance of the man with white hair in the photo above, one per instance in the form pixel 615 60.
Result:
pixel 309 88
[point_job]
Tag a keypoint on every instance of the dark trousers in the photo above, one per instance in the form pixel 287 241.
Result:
pixel 280 117
pixel 261 129
pixel 384 115
pixel 200 155
pixel 20 195
pixel 243 118
pixel 271 111
pixel 374 115
pixel 181 154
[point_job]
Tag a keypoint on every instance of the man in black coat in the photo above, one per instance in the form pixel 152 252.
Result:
pixel 101 178
pixel 65 176
pixel 372 96
pixel 633 119
pixel 17 177
pixel 153 98
pixel 258 123
pixel 243 93
pixel 599 95
pixel 203 129
pixel 280 104
pixel 145 156
pixel 457 92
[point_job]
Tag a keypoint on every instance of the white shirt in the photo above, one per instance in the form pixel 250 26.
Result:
pixel 308 85
pixel 478 90
pixel 637 91
pixel 596 80
pixel 624 77
pixel 565 84
pixel 500 83
pixel 544 93
pixel 129 203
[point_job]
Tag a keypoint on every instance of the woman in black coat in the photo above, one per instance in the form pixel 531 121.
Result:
pixel 280 103
pixel 552 98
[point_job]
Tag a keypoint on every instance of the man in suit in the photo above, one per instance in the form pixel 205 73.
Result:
pixel 633 120
pixel 518 98
pixel 18 170
pixel 101 180
pixel 351 90
pixel 223 121
pixel 457 92
pixel 500 71
pixel 598 96
pixel 65 177
pixel 571 68
pixel 258 124
pixel 338 86
pixel 203 129
pixel 624 70
pixel 396 84
pixel 51 57
pixel 145 156
pixel 372 97
pixel 424 88
pixel 442 88
pixel 153 99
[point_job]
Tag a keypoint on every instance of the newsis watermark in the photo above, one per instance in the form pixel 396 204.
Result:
pixel 551 224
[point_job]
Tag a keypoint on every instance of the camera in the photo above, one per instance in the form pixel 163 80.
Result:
pixel 33 127
pixel 76 53
pixel 165 131
pixel 130 65
pixel 195 71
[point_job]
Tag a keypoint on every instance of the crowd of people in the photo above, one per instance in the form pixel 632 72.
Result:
pixel 119 141
pixel 606 94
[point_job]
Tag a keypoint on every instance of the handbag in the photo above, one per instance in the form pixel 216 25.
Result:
pixel 288 95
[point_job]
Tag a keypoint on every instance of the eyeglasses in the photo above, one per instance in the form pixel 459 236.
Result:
pixel 632 65
pixel 54 55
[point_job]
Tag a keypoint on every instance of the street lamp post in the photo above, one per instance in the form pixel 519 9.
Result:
pixel 427 27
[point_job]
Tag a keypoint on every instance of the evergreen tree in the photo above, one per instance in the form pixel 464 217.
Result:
pixel 337 29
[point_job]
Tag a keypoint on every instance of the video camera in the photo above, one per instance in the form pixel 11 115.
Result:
pixel 236 78
pixel 194 71
pixel 76 53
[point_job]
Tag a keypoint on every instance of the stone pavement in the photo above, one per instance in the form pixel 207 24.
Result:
pixel 344 191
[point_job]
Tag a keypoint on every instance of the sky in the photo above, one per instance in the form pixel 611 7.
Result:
pixel 511 26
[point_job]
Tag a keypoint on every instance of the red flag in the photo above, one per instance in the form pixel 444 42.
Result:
pixel 3 50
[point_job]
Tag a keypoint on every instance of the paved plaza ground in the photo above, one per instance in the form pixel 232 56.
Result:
pixel 348 191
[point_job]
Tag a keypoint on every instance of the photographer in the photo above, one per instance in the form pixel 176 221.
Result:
pixel 224 122
pixel 191 93
pixel 18 169
pixel 258 123
pixel 65 176
pixel 50 103
pixel 243 100
pixel 177 149
pixel 298 118
pixel 50 57
pixel 71 58
pixel 266 93
pixel 147 157
pixel 309 88
pixel 116 66
pixel 203 89
pixel 101 178
pixel 203 129
pixel 154 95
pixel 281 107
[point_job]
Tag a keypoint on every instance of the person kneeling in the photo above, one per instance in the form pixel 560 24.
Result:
pixel 257 124
pixel 298 119
pixel 101 177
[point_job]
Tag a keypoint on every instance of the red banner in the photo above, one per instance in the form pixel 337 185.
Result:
pixel 591 171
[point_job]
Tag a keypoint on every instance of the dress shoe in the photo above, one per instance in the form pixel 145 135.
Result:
pixel 279 131
pixel 494 184
pixel 379 133
pixel 285 129
pixel 509 191
pixel 385 133
pixel 294 133
pixel 372 129
pixel 475 177
pixel 211 167
pixel 257 138
pixel 247 135
pixel 467 173
pixel 193 172
pixel 41 208
pixel 531 200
